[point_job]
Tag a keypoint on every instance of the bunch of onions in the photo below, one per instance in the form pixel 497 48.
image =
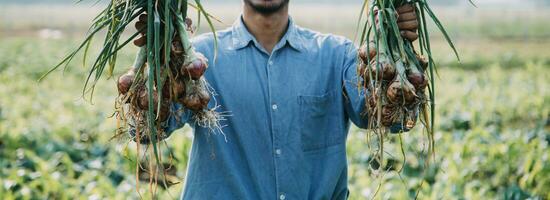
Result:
pixel 394 89
pixel 166 69
pixel 396 77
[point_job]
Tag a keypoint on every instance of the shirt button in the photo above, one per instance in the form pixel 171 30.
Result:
pixel 270 63
pixel 274 106
pixel 278 151
pixel 282 197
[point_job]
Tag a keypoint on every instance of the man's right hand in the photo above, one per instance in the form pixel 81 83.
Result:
pixel 141 26
pixel 407 21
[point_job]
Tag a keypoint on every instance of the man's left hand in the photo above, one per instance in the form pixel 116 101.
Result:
pixel 407 22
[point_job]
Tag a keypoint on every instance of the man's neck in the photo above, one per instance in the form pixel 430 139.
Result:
pixel 267 29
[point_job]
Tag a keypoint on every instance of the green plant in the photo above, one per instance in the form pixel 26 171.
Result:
pixel 166 69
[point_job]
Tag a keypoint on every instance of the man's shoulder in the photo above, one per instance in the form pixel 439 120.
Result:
pixel 317 39
pixel 310 38
pixel 206 41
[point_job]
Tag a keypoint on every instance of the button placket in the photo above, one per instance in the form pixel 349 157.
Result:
pixel 275 114
pixel 274 107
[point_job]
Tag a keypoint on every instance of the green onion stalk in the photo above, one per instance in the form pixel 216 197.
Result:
pixel 166 69
pixel 398 76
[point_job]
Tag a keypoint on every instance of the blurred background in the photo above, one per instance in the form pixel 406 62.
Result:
pixel 493 126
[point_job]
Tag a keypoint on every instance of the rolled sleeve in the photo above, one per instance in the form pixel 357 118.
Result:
pixel 354 96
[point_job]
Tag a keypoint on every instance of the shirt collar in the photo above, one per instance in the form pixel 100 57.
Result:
pixel 241 36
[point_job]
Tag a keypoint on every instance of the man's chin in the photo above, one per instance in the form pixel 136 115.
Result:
pixel 267 8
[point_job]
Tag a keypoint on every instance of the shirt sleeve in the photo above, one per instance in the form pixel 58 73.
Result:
pixel 177 119
pixel 354 97
pixel 179 116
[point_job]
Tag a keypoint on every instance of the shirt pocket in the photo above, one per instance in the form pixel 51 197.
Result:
pixel 319 126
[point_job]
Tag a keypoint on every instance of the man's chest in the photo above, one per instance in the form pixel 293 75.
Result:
pixel 297 97
pixel 284 76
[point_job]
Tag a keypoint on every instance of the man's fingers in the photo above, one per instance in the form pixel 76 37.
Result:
pixel 406 21
pixel 143 17
pixel 405 8
pixel 406 16
pixel 409 35
pixel 141 27
pixel 140 41
pixel 408 25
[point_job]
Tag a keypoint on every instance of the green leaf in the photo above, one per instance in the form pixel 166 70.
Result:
pixel 441 28
pixel 210 24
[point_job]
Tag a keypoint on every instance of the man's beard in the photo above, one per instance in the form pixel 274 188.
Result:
pixel 267 10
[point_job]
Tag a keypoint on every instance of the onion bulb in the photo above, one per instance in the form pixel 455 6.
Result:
pixel 178 87
pixel 417 78
pixel 423 62
pixel 125 82
pixel 196 68
pixel 385 69
pixel 411 118
pixel 143 98
pixel 196 97
pixel 401 91
pixel 143 103
pixel 369 54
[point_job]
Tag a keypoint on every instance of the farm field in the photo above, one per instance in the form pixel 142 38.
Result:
pixel 493 114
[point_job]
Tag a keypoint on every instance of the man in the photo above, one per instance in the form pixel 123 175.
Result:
pixel 291 93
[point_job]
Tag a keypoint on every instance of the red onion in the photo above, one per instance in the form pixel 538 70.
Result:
pixel 196 68
pixel 400 91
pixel 125 82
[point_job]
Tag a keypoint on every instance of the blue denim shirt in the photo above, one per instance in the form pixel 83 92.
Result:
pixel 290 116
